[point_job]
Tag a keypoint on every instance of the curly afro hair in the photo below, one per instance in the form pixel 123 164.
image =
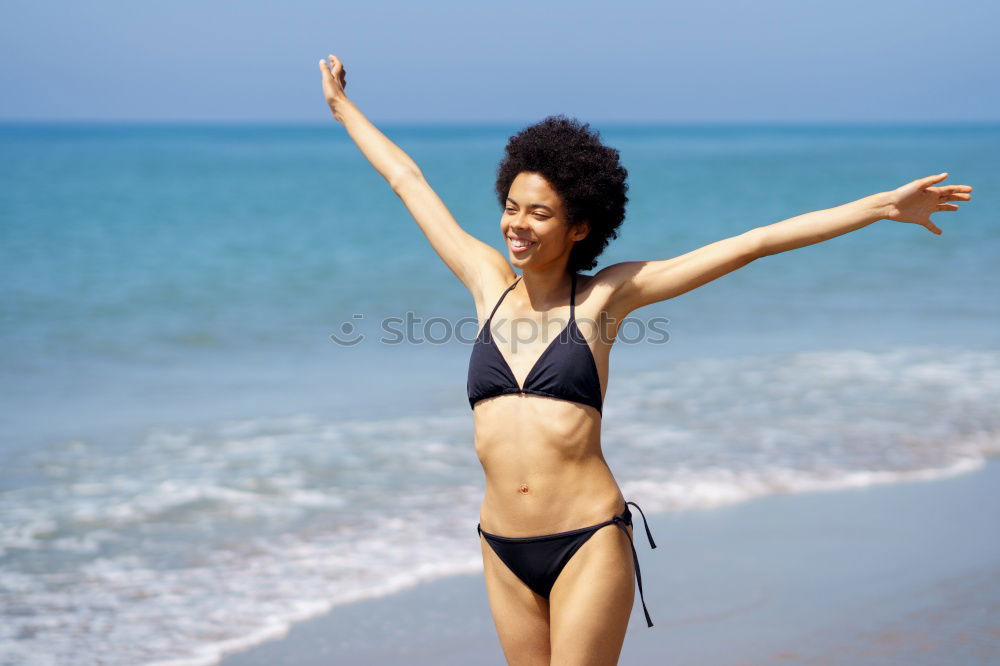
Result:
pixel 585 173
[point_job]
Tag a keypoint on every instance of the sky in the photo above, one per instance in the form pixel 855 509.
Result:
pixel 710 61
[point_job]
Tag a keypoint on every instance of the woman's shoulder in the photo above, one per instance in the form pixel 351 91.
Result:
pixel 493 280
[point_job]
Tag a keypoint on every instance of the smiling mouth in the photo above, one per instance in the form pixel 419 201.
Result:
pixel 518 244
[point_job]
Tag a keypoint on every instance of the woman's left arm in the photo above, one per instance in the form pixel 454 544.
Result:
pixel 913 203
pixel 639 283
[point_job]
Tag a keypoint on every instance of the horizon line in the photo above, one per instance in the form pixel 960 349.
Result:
pixel 494 123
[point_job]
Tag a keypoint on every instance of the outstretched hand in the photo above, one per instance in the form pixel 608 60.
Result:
pixel 334 80
pixel 917 200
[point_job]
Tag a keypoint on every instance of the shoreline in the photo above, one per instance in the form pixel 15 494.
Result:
pixel 882 574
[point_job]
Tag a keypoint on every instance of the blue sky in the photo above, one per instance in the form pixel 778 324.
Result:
pixel 706 61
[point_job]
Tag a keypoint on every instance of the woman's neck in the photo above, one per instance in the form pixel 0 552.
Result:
pixel 546 289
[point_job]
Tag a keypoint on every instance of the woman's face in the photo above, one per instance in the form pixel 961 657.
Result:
pixel 534 223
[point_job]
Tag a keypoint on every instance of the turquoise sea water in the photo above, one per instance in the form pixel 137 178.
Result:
pixel 181 434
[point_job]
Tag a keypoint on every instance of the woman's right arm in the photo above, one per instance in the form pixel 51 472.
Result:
pixel 467 257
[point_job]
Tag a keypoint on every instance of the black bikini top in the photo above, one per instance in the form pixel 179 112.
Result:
pixel 566 369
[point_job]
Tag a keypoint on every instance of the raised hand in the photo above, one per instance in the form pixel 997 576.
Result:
pixel 334 80
pixel 916 201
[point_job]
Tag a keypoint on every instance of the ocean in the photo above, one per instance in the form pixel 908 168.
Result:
pixel 191 462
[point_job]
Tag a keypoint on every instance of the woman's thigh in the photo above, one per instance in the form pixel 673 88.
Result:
pixel 592 599
pixel 521 616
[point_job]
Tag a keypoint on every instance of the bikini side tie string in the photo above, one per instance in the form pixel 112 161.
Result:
pixel 621 522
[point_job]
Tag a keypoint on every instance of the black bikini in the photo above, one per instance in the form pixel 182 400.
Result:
pixel 566 370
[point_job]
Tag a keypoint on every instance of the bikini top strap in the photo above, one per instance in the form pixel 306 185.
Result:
pixel 572 298
pixel 512 285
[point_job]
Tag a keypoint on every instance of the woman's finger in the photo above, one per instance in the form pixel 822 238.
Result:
pixel 334 71
pixel 338 70
pixel 327 69
pixel 947 206
pixel 930 180
pixel 949 189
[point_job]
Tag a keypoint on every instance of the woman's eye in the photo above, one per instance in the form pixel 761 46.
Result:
pixel 538 216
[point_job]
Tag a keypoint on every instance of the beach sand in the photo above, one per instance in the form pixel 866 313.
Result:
pixel 888 574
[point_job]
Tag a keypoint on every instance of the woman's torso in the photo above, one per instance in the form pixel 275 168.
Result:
pixel 545 471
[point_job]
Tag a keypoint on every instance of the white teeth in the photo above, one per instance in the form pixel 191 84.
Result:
pixel 518 243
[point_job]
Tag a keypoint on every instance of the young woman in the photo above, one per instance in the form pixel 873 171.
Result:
pixel 560 585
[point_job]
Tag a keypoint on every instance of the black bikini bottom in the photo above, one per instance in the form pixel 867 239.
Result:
pixel 538 560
